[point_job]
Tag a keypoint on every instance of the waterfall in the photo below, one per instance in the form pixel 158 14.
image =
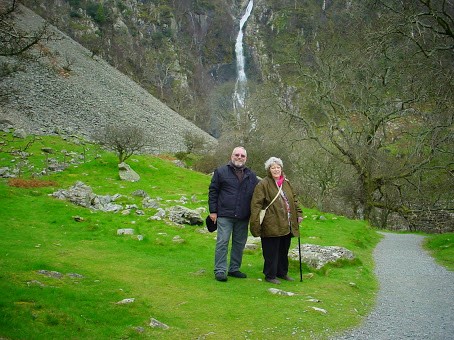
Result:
pixel 239 95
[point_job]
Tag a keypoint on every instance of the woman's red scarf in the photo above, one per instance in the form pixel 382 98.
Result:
pixel 280 181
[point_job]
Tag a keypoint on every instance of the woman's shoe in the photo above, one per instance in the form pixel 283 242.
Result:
pixel 275 281
pixel 286 278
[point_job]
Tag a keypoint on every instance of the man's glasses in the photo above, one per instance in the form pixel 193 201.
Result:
pixel 239 155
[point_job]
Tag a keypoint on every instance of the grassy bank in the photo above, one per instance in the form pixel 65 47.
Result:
pixel 169 281
pixel 441 247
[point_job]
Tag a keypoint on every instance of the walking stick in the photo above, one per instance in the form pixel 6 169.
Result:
pixel 299 251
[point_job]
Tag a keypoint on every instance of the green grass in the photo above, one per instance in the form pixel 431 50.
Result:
pixel 170 282
pixel 441 247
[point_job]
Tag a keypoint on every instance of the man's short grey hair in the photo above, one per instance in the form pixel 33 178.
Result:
pixel 273 160
pixel 239 147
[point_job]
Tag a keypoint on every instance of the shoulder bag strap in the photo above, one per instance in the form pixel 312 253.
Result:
pixel 279 191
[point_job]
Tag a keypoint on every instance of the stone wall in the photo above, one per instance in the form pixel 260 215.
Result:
pixel 440 221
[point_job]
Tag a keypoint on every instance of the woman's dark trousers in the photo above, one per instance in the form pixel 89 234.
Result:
pixel 275 254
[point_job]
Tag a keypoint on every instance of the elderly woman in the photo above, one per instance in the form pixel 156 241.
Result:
pixel 281 222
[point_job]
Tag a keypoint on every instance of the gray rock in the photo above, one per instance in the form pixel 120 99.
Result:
pixel 82 195
pixel 157 324
pixel 317 256
pixel 127 173
pixel 276 291
pixel 182 215
pixel 148 202
pixel 20 133
pixel 126 301
pixel 51 273
pixel 125 231
pixel 140 193
pixel 160 214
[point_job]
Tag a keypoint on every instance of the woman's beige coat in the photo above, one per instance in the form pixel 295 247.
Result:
pixel 275 222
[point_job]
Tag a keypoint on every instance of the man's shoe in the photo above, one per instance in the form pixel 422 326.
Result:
pixel 275 281
pixel 238 274
pixel 286 278
pixel 220 277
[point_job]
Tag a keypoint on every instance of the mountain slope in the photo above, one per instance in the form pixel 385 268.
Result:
pixel 69 91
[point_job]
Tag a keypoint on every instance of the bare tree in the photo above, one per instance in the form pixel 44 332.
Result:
pixel 385 110
pixel 319 177
pixel 428 24
pixel 13 40
pixel 194 142
pixel 159 72
pixel 124 140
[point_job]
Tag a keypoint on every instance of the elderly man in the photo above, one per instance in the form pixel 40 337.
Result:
pixel 229 201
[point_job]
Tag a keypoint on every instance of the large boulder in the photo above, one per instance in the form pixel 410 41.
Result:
pixel 183 215
pixel 127 173
pixel 317 256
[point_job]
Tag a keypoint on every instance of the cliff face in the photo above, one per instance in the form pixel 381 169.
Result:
pixel 183 52
pixel 178 51
pixel 69 90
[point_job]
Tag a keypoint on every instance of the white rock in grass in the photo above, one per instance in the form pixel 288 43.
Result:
pixel 250 246
pixel 157 324
pixel 324 311
pixel 280 292
pixel 178 239
pixel 35 283
pixel 125 301
pixel 125 231
pixel 51 273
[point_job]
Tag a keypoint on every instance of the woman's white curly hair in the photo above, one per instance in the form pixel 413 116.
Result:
pixel 273 160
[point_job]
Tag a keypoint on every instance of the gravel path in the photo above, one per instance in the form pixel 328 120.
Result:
pixel 416 296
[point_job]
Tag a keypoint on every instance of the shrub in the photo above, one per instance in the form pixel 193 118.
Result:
pixel 124 140
pixel 30 183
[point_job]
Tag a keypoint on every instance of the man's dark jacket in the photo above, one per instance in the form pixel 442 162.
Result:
pixel 228 197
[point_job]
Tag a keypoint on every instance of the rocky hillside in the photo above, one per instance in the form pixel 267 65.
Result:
pixel 179 51
pixel 183 52
pixel 68 90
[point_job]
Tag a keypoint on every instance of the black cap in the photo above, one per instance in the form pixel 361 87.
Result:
pixel 211 226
